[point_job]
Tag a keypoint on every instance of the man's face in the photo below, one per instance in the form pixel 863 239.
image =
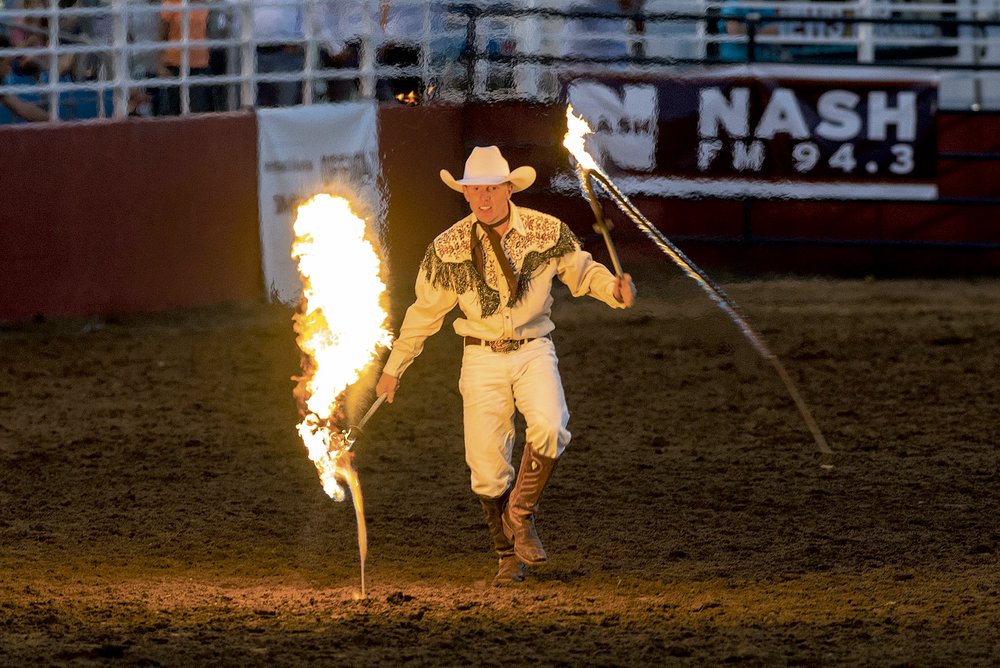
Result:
pixel 489 203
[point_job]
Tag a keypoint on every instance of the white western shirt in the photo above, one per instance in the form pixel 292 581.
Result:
pixel 540 247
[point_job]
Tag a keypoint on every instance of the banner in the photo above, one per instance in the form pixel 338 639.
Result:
pixel 764 130
pixel 304 151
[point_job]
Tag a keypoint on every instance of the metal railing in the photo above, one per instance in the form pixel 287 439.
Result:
pixel 108 55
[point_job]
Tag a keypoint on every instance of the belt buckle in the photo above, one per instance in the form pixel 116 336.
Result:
pixel 504 345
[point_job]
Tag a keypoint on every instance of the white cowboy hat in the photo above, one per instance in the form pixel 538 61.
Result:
pixel 486 167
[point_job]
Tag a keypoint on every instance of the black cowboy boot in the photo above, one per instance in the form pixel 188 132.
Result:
pixel 519 517
pixel 510 569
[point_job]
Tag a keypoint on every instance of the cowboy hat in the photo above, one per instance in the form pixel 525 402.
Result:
pixel 486 167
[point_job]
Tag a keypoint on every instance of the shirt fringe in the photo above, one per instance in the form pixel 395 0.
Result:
pixel 460 277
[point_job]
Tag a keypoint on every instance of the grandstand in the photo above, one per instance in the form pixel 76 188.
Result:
pixel 483 72
pixel 511 50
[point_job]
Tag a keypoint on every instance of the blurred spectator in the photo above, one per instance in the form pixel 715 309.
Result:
pixel 18 109
pixel 402 27
pixel 171 58
pixel 74 24
pixel 33 106
pixel 500 46
pixel 144 28
pixel 79 29
pixel 31 31
pixel 73 29
pixel 278 30
pixel 599 37
pixel 341 27
pixel 21 28
pixel 222 60
pixel 733 23
pixel 395 28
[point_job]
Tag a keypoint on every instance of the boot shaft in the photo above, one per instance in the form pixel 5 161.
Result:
pixel 519 518
pixel 493 508
pixel 532 477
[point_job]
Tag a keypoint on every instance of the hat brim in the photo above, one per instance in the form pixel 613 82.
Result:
pixel 520 178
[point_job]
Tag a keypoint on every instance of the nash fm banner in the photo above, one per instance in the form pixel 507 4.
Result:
pixel 764 130
pixel 304 151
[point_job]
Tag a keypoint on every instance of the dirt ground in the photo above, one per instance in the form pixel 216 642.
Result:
pixel 157 507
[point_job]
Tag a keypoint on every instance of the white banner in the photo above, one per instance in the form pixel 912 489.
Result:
pixel 304 151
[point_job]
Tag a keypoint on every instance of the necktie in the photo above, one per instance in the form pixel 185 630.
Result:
pixel 494 237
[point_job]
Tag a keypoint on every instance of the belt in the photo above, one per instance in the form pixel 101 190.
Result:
pixel 500 345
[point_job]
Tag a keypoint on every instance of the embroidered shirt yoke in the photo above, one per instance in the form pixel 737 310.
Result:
pixel 540 248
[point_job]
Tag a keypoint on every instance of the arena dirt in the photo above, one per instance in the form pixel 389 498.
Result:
pixel 157 508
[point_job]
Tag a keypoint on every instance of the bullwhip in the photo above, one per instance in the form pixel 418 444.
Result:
pixel 590 172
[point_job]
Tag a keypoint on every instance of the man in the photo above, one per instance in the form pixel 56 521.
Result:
pixel 278 28
pixel 172 19
pixel 394 29
pixel 497 264
pixel 341 23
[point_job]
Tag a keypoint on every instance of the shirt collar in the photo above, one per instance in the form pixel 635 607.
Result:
pixel 515 218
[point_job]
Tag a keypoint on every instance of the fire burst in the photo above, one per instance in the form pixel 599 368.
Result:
pixel 575 140
pixel 340 329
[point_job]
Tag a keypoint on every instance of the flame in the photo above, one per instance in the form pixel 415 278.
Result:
pixel 575 140
pixel 409 98
pixel 340 327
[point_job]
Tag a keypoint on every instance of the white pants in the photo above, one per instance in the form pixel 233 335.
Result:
pixel 493 385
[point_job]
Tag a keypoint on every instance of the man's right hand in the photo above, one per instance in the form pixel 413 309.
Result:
pixel 625 290
pixel 387 385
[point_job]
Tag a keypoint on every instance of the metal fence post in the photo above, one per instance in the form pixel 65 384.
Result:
pixel 866 33
pixel 120 74
pixel 248 56
pixel 471 51
pixel 753 22
pixel 367 53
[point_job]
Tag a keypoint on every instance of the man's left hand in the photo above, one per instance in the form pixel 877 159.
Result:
pixel 625 290
pixel 387 385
